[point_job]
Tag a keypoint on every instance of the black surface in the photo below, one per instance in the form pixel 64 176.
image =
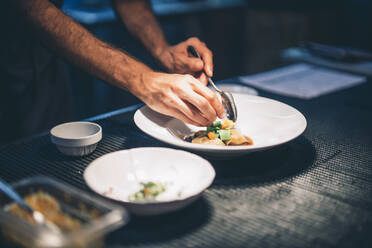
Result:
pixel 315 191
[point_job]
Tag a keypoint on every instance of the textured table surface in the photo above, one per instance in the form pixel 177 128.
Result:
pixel 315 191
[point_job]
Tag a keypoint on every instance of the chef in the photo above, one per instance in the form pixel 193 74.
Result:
pixel 34 93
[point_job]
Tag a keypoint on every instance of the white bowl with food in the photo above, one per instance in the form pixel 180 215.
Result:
pixel 266 123
pixel 78 138
pixel 150 181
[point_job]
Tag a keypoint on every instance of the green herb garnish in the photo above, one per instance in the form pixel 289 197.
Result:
pixel 224 134
pixel 149 191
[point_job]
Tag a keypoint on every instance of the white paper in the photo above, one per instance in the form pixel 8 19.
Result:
pixel 302 81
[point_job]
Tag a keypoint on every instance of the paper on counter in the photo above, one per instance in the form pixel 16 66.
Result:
pixel 302 81
pixel 302 55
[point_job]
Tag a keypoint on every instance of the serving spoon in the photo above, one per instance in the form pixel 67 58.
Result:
pixel 226 97
pixel 36 215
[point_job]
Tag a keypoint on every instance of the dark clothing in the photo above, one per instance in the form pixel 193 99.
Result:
pixel 34 87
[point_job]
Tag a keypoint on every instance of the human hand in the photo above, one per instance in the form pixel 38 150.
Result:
pixel 180 96
pixel 177 60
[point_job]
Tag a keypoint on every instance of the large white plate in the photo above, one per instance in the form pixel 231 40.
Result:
pixel 118 175
pixel 268 122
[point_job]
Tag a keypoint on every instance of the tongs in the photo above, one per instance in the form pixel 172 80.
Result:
pixel 226 97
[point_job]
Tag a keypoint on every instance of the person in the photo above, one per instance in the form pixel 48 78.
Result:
pixel 34 89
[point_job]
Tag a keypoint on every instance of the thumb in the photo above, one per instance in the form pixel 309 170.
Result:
pixel 193 64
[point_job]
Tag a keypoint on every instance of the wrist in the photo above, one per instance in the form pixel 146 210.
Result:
pixel 129 73
pixel 158 50
pixel 165 60
pixel 162 56
pixel 141 87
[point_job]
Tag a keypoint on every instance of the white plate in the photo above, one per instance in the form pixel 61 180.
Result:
pixel 268 122
pixel 118 175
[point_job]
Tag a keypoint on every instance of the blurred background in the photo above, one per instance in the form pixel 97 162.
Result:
pixel 246 36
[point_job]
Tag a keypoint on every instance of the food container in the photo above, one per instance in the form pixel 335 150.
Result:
pixel 96 216
pixel 76 139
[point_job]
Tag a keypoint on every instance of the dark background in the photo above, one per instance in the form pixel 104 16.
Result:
pixel 245 36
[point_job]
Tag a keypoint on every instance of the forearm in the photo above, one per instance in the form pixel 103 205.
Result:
pixel 181 96
pixel 138 17
pixel 75 43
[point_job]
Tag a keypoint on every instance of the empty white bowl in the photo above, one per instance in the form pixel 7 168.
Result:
pixel 118 175
pixel 76 138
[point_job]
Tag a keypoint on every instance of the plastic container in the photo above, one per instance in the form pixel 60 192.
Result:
pixel 96 216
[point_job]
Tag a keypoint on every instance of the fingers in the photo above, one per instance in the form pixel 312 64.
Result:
pixel 183 97
pixel 192 64
pixel 196 65
pixel 203 99
pixel 212 99
pixel 179 115
pixel 202 105
pixel 202 78
pixel 190 112
pixel 205 53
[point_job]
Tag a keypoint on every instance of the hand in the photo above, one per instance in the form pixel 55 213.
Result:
pixel 180 96
pixel 177 60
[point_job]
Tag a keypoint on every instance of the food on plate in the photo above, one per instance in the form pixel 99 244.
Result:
pixel 49 207
pixel 148 191
pixel 220 134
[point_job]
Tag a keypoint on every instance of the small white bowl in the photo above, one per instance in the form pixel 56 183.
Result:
pixel 118 175
pixel 76 138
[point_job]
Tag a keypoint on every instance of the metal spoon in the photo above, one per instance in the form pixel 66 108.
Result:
pixel 38 217
pixel 227 98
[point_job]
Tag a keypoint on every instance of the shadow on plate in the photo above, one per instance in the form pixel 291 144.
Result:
pixel 265 167
pixel 164 227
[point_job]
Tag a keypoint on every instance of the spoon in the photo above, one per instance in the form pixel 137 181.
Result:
pixel 227 98
pixel 37 216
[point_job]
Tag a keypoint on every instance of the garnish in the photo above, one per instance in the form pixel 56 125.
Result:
pixel 149 191
pixel 220 130
pixel 220 134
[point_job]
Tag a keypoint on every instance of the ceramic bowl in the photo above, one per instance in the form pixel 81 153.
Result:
pixel 119 175
pixel 76 138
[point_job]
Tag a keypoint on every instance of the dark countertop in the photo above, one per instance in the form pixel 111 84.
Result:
pixel 315 191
